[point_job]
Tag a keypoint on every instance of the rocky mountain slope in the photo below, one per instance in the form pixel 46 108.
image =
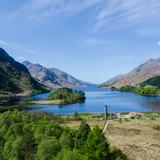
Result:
pixel 15 78
pixel 52 77
pixel 143 72
pixel 112 80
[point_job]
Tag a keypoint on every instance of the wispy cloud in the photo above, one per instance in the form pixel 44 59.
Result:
pixel 107 14
pixel 127 12
pixel 42 10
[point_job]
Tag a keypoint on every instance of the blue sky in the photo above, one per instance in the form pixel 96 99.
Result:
pixel 93 40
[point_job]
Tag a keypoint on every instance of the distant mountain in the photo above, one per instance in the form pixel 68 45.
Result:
pixel 88 83
pixel 52 77
pixel 143 72
pixel 112 80
pixel 15 78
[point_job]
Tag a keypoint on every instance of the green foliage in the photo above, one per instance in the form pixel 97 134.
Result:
pixel 96 143
pixel 70 155
pixel 67 96
pixel 15 78
pixel 82 134
pixel 155 81
pixel 141 89
pixel 151 87
pixel 40 136
pixel 48 149
pixel 147 90
pixel 127 88
pixel 6 82
pixel 84 130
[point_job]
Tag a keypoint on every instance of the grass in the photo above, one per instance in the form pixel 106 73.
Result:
pixel 138 137
pixel 92 119
pixel 47 102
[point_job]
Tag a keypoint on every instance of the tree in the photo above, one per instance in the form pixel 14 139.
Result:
pixel 82 134
pixel 96 147
pixel 66 140
pixel 48 149
pixel 70 155
pixel 2 140
pixel 40 136
pixel 84 130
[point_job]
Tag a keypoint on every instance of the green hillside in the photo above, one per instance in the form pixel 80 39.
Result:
pixel 155 81
pixel 15 78
pixel 150 87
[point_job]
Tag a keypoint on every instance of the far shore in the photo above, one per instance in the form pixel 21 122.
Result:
pixel 56 102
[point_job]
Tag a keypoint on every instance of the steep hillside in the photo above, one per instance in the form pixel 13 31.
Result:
pixel 15 78
pixel 155 81
pixel 112 80
pixel 143 72
pixel 52 77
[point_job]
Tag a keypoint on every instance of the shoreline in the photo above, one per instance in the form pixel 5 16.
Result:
pixel 47 102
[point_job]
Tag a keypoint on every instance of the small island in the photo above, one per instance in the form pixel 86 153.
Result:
pixel 63 96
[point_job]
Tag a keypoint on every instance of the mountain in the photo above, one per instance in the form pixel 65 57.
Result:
pixel 143 72
pixel 52 77
pixel 112 80
pixel 15 77
pixel 88 83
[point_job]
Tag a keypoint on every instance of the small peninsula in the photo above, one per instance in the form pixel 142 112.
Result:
pixel 150 87
pixel 63 96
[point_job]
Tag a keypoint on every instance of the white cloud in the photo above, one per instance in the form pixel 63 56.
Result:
pixel 128 12
pixel 106 13
pixel 42 10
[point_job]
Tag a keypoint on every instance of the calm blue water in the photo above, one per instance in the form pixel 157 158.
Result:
pixel 98 97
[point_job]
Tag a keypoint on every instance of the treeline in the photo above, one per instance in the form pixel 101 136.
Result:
pixel 150 87
pixel 141 89
pixel 67 96
pixel 41 136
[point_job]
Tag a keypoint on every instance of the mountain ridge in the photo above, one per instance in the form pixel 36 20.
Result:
pixel 52 77
pixel 141 73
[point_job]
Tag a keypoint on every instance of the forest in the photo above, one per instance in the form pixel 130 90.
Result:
pixel 42 136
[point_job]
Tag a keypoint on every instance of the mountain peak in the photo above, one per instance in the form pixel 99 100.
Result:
pixel 52 77
pixel 141 73
pixel 27 62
